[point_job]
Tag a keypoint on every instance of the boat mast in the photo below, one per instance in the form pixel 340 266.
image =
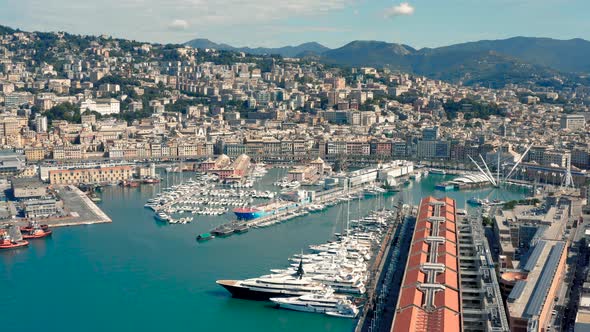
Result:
pixel 300 268
pixel 347 216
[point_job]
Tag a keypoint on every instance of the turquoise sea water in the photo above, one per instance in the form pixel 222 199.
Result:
pixel 140 275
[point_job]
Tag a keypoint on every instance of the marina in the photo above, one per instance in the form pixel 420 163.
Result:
pixel 165 272
pixel 342 266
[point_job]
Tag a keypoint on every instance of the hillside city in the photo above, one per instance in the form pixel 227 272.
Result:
pixel 84 98
pixel 82 112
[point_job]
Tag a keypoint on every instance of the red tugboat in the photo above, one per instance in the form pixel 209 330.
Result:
pixel 6 242
pixel 32 225
pixel 35 231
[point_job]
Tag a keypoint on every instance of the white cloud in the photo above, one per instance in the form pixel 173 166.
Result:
pixel 178 24
pixel 164 21
pixel 403 9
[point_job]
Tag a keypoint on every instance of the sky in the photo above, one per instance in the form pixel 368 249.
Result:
pixel 333 23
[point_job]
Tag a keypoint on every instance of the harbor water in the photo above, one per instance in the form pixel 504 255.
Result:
pixel 142 275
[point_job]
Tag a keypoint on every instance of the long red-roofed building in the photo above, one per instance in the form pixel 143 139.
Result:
pixel 430 295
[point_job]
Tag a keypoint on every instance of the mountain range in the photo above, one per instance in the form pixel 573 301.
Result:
pixel 287 51
pixel 487 61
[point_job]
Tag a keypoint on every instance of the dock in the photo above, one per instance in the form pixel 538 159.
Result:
pixel 78 207
pixel 82 210
pixel 328 197
pixel 383 287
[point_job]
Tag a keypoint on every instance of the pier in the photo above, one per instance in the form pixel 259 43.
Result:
pixel 329 197
pixel 80 210
pixel 383 288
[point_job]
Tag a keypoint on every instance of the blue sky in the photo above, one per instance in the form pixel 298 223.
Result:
pixel 419 23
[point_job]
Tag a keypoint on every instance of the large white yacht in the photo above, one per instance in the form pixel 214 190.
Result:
pixel 273 285
pixel 318 302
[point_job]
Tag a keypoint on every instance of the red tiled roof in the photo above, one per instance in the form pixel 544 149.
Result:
pixel 414 276
pixel 411 296
pixel 419 246
pixel 445 313
pixel 450 261
pixel 416 259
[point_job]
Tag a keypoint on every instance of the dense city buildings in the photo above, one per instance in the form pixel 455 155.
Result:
pixel 118 99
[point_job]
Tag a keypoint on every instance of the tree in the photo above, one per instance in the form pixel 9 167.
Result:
pixel 471 109
pixel 65 111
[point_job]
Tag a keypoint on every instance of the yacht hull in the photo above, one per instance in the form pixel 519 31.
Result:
pixel 303 308
pixel 242 292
